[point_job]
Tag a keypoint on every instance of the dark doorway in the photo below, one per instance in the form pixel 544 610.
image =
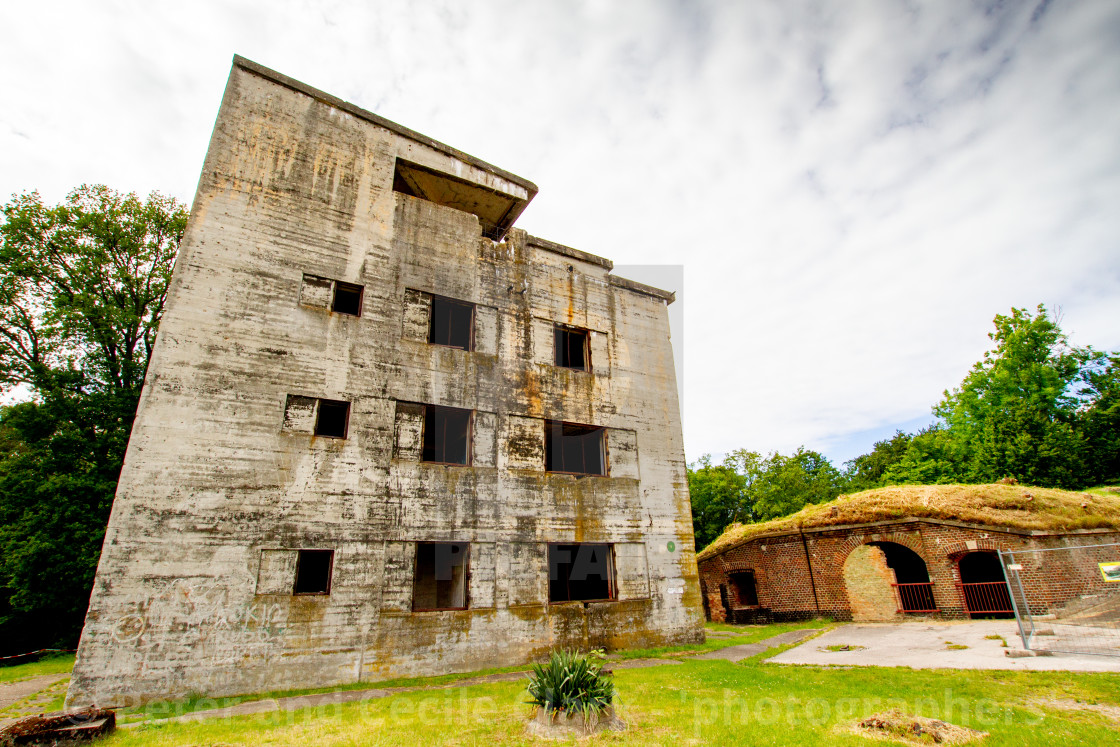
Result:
pixel 745 588
pixel 915 592
pixel 983 586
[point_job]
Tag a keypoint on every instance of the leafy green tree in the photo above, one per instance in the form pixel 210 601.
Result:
pixel 933 457
pixel 82 288
pixel 1099 420
pixel 717 492
pixel 748 488
pixel 1016 411
pixel 867 471
pixel 785 485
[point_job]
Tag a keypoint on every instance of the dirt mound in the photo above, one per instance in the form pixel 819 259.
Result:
pixel 901 727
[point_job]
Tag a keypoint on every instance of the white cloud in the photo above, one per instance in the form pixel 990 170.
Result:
pixel 854 188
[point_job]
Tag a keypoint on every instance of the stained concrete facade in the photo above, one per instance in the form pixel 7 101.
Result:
pixel 225 480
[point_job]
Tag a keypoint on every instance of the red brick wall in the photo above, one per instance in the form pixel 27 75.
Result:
pixel 786 587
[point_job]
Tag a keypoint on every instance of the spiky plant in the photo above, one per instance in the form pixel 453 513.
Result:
pixel 573 683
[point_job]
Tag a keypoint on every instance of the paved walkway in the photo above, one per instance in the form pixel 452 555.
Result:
pixel 747 650
pixel 937 645
pixel 13 692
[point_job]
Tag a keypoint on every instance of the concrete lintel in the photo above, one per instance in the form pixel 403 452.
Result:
pixel 620 282
pixel 567 251
pixel 357 111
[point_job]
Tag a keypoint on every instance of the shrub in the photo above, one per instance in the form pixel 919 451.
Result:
pixel 572 682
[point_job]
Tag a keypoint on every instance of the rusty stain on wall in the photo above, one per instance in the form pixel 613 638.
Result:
pixel 225 480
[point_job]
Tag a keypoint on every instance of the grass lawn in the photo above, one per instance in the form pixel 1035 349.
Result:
pixel 694 703
pixel 61 664
pixel 691 703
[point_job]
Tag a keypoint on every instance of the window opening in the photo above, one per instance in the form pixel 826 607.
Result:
pixel 570 447
pixel 447 433
pixel 440 582
pixel 313 572
pixel 332 418
pixel 347 299
pixel 746 590
pixel 452 323
pixel 579 572
pixel 571 348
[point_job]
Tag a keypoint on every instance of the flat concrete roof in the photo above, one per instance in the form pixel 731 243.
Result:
pixel 357 111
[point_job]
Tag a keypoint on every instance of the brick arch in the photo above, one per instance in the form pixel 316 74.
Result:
pixel 906 539
pixel 958 550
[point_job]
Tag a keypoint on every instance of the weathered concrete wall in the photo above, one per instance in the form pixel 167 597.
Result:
pixel 220 486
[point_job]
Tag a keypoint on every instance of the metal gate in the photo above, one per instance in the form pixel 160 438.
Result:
pixel 1066 599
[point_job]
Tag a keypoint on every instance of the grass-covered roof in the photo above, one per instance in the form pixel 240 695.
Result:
pixel 1014 506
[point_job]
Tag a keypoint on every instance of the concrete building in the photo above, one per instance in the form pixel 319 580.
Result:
pixel 383 432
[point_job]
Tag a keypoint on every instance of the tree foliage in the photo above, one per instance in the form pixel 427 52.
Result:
pixel 748 487
pixel 82 288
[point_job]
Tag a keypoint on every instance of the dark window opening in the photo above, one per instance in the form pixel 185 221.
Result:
pixel 447 435
pixel 332 418
pixel 313 572
pixel 574 448
pixel 452 323
pixel 580 572
pixel 571 348
pixel 347 299
pixel 440 582
pixel 746 590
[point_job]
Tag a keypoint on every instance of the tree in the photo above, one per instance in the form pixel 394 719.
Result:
pixel 748 488
pixel 785 485
pixel 1015 412
pixel 82 288
pixel 82 285
pixel 717 498
pixel 867 471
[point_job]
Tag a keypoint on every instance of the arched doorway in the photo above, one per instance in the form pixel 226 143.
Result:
pixel 884 579
pixel 983 586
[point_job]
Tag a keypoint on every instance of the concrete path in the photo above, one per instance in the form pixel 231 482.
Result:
pixel 930 645
pixel 13 692
pixel 747 650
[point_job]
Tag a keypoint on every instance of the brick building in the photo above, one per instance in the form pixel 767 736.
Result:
pixel 383 432
pixel 891 569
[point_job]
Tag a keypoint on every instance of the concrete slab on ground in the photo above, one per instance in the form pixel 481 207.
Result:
pixel 927 645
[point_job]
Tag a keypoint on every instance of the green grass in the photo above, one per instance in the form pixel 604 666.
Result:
pixel 59 664
pixel 693 703
pixel 747 634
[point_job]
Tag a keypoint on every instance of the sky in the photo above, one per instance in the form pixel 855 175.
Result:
pixel 843 193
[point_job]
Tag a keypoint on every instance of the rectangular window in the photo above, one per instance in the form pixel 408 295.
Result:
pixel 571 348
pixel 580 572
pixel 452 323
pixel 347 299
pixel 574 448
pixel 746 591
pixel 325 293
pixel 313 572
pixel 440 582
pixel 447 435
pixel 332 418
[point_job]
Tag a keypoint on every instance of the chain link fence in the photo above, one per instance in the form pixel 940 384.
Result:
pixel 1066 599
